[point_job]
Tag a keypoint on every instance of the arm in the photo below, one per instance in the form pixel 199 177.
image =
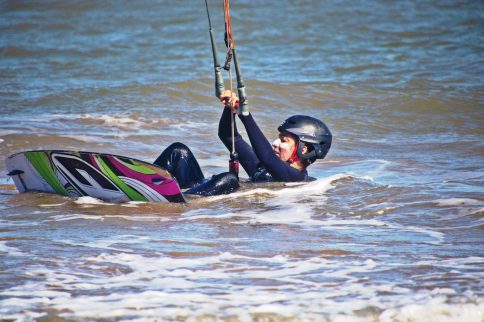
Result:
pixel 247 157
pixel 261 152
pixel 280 170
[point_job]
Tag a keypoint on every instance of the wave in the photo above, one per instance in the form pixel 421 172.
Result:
pixel 280 287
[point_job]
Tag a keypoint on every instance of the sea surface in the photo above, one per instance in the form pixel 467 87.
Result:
pixel 391 230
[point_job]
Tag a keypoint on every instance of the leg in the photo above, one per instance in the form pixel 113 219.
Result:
pixel 181 163
pixel 223 183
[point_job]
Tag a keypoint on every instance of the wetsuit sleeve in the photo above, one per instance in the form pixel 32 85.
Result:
pixel 247 158
pixel 279 170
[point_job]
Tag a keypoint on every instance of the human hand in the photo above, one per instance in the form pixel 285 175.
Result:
pixel 230 100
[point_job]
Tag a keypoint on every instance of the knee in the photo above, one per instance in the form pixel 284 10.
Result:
pixel 172 153
pixel 177 146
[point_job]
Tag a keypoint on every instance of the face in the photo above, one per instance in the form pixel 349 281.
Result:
pixel 284 146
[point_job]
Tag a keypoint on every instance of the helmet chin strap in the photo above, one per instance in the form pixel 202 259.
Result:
pixel 304 156
pixel 295 155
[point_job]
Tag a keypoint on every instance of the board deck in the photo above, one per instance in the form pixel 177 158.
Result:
pixel 107 177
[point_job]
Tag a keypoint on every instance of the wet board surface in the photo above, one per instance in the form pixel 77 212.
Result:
pixel 107 177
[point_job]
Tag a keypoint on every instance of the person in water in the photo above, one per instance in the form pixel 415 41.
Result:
pixel 302 140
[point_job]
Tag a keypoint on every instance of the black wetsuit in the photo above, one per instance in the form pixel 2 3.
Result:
pixel 259 161
pixel 183 166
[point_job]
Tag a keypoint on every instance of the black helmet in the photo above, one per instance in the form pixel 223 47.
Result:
pixel 311 132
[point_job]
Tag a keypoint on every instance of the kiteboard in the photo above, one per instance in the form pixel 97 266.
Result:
pixel 108 177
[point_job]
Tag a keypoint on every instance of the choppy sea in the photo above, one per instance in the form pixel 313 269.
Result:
pixel 392 230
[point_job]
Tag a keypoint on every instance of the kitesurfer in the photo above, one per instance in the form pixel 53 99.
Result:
pixel 302 140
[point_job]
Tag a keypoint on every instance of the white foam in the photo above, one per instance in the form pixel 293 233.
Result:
pixel 8 132
pixel 125 123
pixel 34 122
pixel 52 205
pixel 68 217
pixel 83 138
pixel 457 202
pixel 456 263
pixel 54 117
pixel 107 244
pixel 437 236
pixel 188 126
pixel 132 204
pixel 6 181
pixel 86 200
pixel 134 218
pixel 286 206
pixel 291 194
pixel 164 287
pixel 462 207
pixel 435 310
pixel 9 250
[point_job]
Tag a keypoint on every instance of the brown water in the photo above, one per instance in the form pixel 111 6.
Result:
pixel 392 230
